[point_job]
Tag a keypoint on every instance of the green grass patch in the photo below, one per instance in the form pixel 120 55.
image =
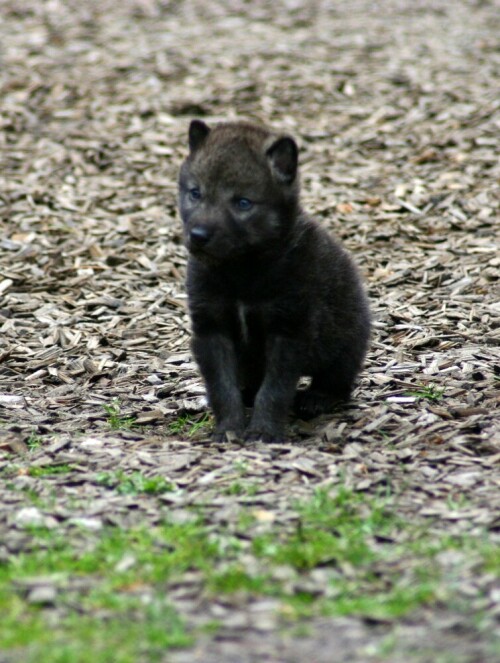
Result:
pixel 34 441
pixel 427 392
pixel 116 420
pixel 111 597
pixel 190 425
pixel 330 530
pixel 242 488
pixel 135 483
pixel 49 470
pixel 375 563
pixel 122 613
pixel 80 638
pixel 236 579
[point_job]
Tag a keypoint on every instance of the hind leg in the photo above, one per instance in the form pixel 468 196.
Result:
pixel 325 391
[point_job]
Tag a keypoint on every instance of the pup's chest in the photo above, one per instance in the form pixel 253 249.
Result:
pixel 261 319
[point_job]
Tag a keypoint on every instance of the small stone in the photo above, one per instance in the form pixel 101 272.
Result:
pixel 91 524
pixel 43 595
pixel 29 516
pixel 91 444
pixel 127 562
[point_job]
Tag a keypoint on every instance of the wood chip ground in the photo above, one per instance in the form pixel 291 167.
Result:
pixel 396 106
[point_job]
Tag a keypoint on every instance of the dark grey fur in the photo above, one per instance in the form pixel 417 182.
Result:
pixel 272 296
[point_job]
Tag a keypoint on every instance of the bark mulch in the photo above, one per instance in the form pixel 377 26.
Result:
pixel 396 108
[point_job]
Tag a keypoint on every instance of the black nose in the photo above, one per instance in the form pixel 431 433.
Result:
pixel 200 235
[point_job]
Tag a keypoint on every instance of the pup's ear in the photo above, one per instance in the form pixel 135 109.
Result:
pixel 283 156
pixel 198 131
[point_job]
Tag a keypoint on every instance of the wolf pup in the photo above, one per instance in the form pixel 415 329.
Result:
pixel 272 296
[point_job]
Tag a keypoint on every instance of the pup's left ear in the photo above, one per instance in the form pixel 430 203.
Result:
pixel 283 156
pixel 198 131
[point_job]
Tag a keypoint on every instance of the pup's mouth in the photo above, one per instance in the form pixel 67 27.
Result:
pixel 203 254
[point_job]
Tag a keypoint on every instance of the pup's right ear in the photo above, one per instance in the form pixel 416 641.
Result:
pixel 198 131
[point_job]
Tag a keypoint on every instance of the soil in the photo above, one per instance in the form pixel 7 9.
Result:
pixel 396 108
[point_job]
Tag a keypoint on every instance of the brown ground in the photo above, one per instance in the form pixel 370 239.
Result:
pixel 396 107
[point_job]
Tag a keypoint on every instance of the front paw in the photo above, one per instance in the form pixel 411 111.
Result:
pixel 229 431
pixel 310 403
pixel 226 436
pixel 256 435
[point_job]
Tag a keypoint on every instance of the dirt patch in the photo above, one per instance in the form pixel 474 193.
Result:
pixel 396 109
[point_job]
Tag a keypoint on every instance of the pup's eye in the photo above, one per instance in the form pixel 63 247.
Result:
pixel 194 193
pixel 243 204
